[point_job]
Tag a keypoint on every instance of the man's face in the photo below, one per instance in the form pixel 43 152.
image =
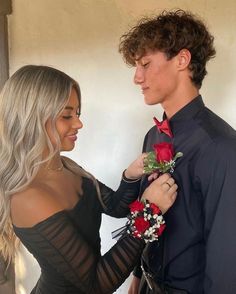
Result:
pixel 157 77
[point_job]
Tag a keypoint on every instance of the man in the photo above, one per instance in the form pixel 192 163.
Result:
pixel 197 253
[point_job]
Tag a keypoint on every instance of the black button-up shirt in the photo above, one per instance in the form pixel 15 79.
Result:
pixel 199 243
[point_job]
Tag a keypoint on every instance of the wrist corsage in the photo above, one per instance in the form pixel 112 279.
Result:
pixel 162 159
pixel 145 221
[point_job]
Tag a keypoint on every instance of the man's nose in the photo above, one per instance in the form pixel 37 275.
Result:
pixel 138 76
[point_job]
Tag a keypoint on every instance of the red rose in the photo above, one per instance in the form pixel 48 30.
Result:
pixel 136 235
pixel 164 151
pixel 136 206
pixel 141 224
pixel 161 229
pixel 155 209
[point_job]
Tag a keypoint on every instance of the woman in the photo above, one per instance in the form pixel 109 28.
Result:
pixel 50 203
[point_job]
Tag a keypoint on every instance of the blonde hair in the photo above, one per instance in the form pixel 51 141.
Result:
pixel 31 97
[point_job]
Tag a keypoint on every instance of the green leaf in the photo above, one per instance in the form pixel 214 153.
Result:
pixel 151 165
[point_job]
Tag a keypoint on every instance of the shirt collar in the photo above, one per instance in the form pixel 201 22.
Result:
pixel 188 111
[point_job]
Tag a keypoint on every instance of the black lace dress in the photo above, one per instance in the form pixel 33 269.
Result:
pixel 67 244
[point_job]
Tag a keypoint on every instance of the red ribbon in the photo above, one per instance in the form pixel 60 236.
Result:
pixel 163 127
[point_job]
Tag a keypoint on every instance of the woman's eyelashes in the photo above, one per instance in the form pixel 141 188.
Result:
pixel 69 116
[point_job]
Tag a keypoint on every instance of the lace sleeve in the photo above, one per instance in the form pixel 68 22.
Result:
pixel 116 202
pixel 57 241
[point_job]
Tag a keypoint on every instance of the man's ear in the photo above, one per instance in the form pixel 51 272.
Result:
pixel 183 58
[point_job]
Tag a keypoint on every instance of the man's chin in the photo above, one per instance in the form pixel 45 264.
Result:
pixel 149 101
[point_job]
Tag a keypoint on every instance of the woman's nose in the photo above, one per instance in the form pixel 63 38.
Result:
pixel 77 123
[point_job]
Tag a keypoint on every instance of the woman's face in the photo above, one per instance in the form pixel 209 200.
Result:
pixel 67 124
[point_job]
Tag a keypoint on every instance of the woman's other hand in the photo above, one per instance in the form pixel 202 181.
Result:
pixel 135 169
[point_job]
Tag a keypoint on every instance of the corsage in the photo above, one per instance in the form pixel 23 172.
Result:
pixel 145 221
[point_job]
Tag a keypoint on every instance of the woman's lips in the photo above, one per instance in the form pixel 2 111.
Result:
pixel 72 137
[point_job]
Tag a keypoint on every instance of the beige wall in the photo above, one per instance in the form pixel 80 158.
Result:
pixel 81 38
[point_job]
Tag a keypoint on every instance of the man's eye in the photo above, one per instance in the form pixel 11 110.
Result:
pixel 145 64
pixel 78 113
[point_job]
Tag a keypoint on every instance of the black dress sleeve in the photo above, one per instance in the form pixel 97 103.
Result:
pixel 116 202
pixel 57 241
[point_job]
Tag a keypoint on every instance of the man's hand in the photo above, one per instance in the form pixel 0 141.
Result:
pixel 134 286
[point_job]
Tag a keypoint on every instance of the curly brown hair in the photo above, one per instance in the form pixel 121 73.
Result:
pixel 170 32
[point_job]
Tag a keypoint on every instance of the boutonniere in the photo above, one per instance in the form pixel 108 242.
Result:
pixel 162 159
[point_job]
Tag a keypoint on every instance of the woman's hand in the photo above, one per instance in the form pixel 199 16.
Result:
pixel 162 192
pixel 135 169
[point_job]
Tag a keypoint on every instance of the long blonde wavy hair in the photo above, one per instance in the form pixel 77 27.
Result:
pixel 33 95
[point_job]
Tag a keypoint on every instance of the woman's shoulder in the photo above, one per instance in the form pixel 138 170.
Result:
pixel 33 205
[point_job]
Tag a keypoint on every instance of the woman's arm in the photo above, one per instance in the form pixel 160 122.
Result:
pixel 52 236
pixel 117 202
